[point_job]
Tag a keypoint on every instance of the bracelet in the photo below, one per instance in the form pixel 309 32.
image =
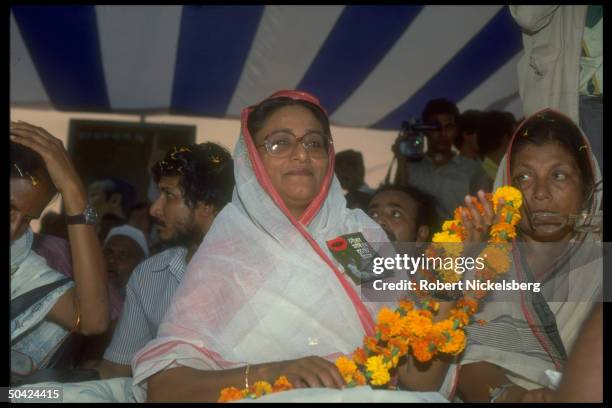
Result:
pixel 246 376
pixel 495 393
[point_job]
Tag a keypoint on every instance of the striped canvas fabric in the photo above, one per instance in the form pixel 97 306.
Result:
pixel 371 66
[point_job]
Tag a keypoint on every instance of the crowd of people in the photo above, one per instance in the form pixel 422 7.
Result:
pixel 226 278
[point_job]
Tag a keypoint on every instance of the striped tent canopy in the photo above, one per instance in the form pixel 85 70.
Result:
pixel 371 66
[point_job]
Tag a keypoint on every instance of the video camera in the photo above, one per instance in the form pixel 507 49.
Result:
pixel 411 140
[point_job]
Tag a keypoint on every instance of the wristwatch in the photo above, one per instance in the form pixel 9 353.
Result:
pixel 495 393
pixel 89 217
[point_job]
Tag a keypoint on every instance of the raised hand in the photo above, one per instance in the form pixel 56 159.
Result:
pixel 476 226
pixel 58 163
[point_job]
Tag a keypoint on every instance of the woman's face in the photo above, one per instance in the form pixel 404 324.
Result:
pixel 297 177
pixel 28 201
pixel 550 180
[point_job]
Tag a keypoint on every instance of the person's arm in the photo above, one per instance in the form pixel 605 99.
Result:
pixel 401 175
pixel 89 296
pixel 185 384
pixel 476 379
pixel 131 333
pixel 583 375
pixel 533 18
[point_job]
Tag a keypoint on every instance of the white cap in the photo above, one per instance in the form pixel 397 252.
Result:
pixel 130 232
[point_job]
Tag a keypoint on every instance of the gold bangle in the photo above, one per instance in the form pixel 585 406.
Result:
pixel 78 318
pixel 246 376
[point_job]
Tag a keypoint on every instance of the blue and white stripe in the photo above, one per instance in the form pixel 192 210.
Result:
pixel 371 66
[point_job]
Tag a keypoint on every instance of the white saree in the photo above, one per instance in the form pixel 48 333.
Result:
pixel 263 286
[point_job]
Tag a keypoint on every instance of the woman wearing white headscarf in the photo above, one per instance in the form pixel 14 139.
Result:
pixel 528 334
pixel 263 292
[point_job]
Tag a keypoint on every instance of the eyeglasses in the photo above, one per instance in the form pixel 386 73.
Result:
pixel 282 143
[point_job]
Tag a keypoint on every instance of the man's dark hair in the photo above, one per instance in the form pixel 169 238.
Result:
pixel 440 106
pixel 358 199
pixel 468 122
pixel 261 112
pixel 206 173
pixel 492 128
pixel 352 159
pixel 426 204
pixel 26 163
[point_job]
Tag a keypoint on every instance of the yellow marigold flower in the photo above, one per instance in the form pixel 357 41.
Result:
pixel 453 226
pixel 510 195
pixel 378 369
pixel 230 394
pixel 455 344
pixel 445 237
pixel 460 315
pixel 389 359
pixel 442 326
pixel 346 367
pixel 390 318
pixel 496 258
pixel 417 323
pixel 503 230
pixel 393 362
pixel 262 388
pixel 282 384
pixel 420 350
pixel 510 215
pixel 400 343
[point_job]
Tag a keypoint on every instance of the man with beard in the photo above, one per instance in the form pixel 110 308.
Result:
pixel 195 183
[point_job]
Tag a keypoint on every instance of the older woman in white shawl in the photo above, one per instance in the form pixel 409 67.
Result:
pixel 526 334
pixel 263 296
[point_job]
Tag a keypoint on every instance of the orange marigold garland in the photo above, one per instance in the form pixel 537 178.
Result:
pixel 256 390
pixel 410 329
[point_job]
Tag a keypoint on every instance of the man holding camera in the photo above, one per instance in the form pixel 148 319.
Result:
pixel 440 172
